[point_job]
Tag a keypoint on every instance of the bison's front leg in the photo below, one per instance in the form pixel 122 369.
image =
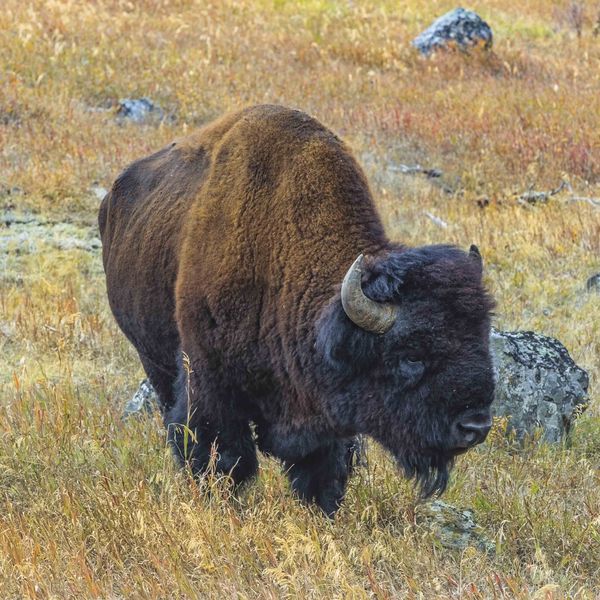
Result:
pixel 196 441
pixel 322 476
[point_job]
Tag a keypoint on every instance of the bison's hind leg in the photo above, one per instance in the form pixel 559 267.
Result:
pixel 322 475
pixel 229 449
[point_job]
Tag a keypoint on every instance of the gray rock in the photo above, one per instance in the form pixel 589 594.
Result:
pixel 538 384
pixel 454 528
pixel 459 27
pixel 98 191
pixel 593 283
pixel 138 110
pixel 145 400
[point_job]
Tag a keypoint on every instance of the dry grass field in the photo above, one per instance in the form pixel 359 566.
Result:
pixel 92 506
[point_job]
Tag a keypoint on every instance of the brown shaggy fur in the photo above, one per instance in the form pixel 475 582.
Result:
pixel 230 245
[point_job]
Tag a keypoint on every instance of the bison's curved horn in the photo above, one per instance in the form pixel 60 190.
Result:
pixel 376 317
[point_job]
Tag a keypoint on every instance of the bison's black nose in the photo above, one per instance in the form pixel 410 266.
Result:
pixel 471 432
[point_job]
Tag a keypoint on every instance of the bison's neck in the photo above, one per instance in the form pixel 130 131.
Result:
pixel 312 282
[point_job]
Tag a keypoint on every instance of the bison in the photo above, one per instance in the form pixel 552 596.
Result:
pixel 253 248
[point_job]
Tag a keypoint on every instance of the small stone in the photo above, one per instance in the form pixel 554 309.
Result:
pixel 145 400
pixel 538 385
pixel 459 27
pixel 138 110
pixel 593 283
pixel 454 528
pixel 99 191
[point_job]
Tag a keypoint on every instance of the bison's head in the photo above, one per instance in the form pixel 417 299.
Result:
pixel 404 351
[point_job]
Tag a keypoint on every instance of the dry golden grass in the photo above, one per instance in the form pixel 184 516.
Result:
pixel 92 506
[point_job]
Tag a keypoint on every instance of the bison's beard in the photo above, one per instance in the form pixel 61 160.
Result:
pixel 429 471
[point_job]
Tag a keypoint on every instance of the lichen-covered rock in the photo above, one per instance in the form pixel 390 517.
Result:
pixel 538 384
pixel 454 528
pixel 145 400
pixel 98 191
pixel 459 27
pixel 138 110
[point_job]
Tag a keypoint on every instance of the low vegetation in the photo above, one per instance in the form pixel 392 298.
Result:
pixel 92 506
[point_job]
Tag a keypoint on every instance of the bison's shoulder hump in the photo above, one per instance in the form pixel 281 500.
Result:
pixel 288 120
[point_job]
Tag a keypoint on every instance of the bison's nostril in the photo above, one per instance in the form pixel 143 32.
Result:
pixel 473 432
pixel 470 437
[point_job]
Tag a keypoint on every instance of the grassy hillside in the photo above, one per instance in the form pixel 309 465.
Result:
pixel 91 506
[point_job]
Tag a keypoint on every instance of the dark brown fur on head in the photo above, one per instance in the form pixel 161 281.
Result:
pixel 229 245
pixel 433 367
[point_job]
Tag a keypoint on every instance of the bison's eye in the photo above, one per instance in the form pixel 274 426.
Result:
pixel 412 371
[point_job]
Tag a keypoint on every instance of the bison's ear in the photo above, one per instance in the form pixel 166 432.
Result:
pixel 475 256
